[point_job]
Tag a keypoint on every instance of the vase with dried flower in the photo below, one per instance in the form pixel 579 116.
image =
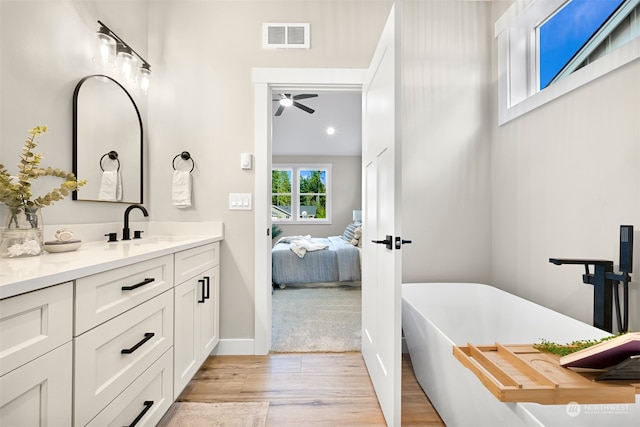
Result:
pixel 23 234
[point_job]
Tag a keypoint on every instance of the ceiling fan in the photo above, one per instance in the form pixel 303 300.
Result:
pixel 286 100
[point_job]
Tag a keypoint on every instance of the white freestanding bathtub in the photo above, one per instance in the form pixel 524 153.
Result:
pixel 437 316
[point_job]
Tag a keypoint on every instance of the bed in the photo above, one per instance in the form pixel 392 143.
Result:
pixel 338 261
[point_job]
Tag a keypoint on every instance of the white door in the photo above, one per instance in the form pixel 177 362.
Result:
pixel 382 272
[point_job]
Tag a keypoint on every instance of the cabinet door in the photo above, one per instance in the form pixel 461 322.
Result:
pixel 209 314
pixel 34 323
pixel 187 329
pixel 38 393
pixel 197 325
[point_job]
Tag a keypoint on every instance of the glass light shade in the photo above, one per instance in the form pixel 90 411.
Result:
pixel 357 215
pixel 126 64
pixel 105 47
pixel 286 102
pixel 145 77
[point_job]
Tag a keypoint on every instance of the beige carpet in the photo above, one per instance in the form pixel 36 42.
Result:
pixel 196 414
pixel 316 319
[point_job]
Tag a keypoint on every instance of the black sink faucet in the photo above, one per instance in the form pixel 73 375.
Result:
pixel 126 233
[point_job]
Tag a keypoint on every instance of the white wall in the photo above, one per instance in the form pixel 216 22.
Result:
pixel 202 55
pixel 446 184
pixel 201 99
pixel 346 174
pixel 564 178
pixel 484 203
pixel 45 49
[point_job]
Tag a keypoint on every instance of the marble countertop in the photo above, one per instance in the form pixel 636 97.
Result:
pixel 20 275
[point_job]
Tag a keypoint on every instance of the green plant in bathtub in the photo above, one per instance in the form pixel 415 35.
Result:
pixel 568 348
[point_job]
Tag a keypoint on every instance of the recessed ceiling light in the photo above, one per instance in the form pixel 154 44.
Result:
pixel 331 130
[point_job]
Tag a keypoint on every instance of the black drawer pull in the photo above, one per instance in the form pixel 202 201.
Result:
pixel 208 294
pixel 137 285
pixel 147 405
pixel 147 337
pixel 200 301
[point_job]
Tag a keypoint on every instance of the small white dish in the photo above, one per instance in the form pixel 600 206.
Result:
pixel 55 246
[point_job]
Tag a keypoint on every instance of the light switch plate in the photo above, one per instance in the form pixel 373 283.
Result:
pixel 246 161
pixel 240 201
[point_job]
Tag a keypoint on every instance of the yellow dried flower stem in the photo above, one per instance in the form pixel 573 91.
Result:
pixel 19 194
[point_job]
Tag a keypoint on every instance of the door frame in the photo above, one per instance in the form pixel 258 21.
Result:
pixel 264 81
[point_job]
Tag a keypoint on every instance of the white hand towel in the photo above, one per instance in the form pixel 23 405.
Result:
pixel 118 186
pixel 110 186
pixel 181 190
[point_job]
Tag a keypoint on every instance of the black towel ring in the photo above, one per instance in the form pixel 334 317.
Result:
pixel 184 156
pixel 113 156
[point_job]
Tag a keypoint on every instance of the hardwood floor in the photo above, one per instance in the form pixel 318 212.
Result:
pixel 307 389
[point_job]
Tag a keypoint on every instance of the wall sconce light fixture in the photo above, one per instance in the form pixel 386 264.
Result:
pixel 112 50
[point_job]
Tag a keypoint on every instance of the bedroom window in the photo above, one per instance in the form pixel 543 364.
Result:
pixel 547 48
pixel 300 193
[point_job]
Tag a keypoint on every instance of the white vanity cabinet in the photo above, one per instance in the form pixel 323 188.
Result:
pixel 36 357
pixel 197 308
pixel 94 339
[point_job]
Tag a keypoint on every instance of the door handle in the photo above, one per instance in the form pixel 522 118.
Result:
pixel 387 242
pixel 201 281
pixel 137 285
pixel 400 241
pixel 207 295
pixel 147 337
pixel 147 405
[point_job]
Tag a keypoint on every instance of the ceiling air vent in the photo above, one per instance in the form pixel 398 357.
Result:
pixel 285 36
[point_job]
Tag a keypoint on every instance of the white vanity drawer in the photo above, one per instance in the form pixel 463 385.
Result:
pixel 194 261
pixel 146 400
pixel 105 295
pixel 38 393
pixel 34 323
pixel 111 356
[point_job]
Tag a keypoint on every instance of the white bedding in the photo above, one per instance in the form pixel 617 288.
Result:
pixel 300 245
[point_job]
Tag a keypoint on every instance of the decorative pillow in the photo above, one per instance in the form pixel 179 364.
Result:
pixel 352 233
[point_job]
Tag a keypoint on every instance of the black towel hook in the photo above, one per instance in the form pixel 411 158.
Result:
pixel 184 156
pixel 113 155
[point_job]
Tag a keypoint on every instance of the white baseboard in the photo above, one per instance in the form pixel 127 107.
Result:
pixel 235 347
pixel 246 347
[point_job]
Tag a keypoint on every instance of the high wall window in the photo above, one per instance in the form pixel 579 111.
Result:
pixel 301 193
pixel 545 48
pixel 567 32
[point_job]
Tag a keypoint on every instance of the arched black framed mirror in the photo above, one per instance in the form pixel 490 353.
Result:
pixel 107 141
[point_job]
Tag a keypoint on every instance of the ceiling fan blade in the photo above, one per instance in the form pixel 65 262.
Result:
pixel 305 95
pixel 279 111
pixel 303 107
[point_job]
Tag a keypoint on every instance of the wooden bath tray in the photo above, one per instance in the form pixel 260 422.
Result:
pixel 520 373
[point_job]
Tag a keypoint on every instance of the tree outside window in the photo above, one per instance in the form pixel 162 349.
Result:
pixel 300 193
pixel 281 194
